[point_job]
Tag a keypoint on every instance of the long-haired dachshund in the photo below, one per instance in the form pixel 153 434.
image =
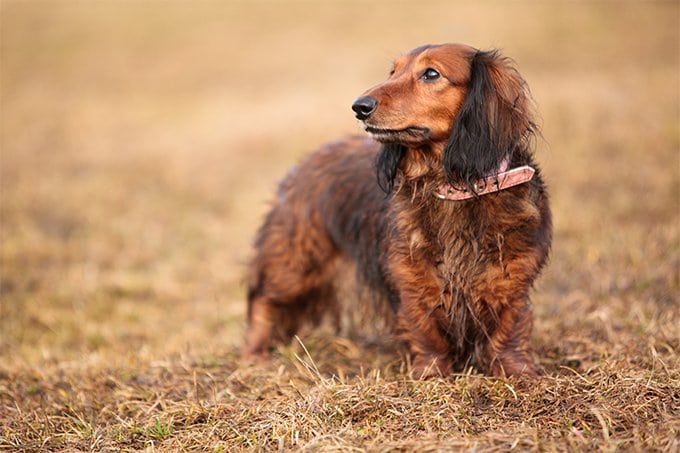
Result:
pixel 442 211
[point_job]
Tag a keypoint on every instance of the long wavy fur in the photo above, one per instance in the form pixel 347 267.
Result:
pixel 387 165
pixel 494 121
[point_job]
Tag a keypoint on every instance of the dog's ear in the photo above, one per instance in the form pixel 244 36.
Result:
pixel 494 121
pixel 387 165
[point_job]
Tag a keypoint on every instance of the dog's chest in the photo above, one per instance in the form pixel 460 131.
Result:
pixel 465 244
pixel 468 244
pixel 463 254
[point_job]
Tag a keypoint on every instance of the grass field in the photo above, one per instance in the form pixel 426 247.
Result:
pixel 141 141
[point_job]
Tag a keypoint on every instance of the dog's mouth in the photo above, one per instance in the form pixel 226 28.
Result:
pixel 408 134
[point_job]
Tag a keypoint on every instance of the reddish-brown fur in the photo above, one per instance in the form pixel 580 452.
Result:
pixel 457 273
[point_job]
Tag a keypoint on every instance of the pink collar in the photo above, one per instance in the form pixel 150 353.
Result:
pixel 501 179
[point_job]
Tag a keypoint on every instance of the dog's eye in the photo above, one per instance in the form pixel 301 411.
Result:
pixel 430 75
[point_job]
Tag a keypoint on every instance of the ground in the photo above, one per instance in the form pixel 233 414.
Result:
pixel 141 142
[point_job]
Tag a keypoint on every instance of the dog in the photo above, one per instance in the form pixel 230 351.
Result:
pixel 441 209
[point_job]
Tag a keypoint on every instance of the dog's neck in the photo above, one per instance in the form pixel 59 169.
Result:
pixel 424 165
pixel 418 163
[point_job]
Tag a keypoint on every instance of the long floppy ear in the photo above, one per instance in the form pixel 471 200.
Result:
pixel 387 165
pixel 494 121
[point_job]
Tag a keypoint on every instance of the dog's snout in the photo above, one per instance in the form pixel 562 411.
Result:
pixel 364 106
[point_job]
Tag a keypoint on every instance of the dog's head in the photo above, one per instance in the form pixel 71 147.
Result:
pixel 468 108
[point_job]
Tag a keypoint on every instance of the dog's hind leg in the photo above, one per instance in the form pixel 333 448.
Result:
pixel 279 318
pixel 291 283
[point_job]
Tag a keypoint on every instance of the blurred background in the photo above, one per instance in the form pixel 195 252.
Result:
pixel 141 142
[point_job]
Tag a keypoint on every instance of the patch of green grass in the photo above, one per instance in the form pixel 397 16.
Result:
pixel 159 429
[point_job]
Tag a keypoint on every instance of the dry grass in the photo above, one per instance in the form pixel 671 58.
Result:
pixel 140 142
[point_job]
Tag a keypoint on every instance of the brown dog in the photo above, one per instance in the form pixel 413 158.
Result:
pixel 442 211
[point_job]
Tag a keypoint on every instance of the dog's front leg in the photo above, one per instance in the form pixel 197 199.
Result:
pixel 509 351
pixel 419 292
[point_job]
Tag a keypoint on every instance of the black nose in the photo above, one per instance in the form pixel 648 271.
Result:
pixel 364 106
